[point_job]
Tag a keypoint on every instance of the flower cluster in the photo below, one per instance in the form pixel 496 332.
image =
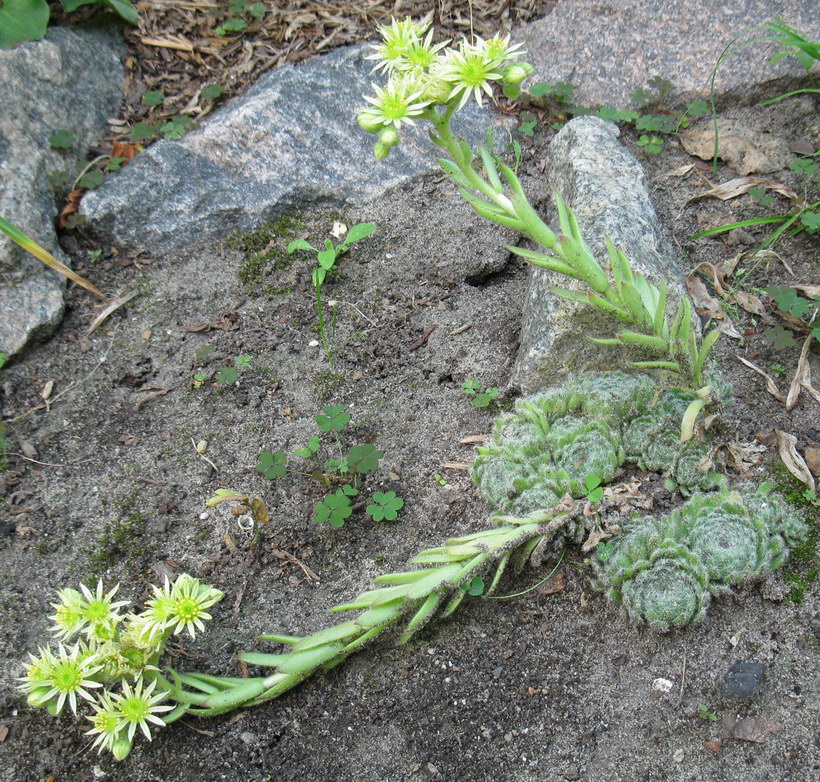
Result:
pixel 113 665
pixel 423 75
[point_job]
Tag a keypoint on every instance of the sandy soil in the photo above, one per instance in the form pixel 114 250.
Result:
pixel 106 481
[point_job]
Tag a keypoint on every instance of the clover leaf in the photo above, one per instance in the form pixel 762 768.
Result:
pixel 334 420
pixel 336 507
pixel 385 506
pixel 272 465
pixel 363 458
pixel 62 139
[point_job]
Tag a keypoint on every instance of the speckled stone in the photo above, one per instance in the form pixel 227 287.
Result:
pixel 608 48
pixel 69 80
pixel 290 143
pixel 606 188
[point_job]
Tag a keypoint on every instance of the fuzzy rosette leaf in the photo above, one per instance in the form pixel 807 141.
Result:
pixel 657 580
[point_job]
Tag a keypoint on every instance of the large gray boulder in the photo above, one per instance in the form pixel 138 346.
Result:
pixel 606 188
pixel 289 143
pixel 70 80
pixel 608 48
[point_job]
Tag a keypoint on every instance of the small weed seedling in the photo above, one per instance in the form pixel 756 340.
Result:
pixel 344 472
pixel 238 16
pixel 172 126
pixel 225 376
pixel 92 174
pixel 791 304
pixel 326 263
pixel 592 484
pixel 479 398
pixel 705 714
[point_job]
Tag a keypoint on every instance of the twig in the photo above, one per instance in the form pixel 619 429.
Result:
pixel 682 680
pixel 46 464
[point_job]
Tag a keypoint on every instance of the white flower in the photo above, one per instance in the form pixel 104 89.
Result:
pixel 396 38
pixel 399 101
pixel 470 70
pixel 137 707
pixel 63 676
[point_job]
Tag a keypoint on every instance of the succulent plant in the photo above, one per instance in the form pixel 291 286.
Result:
pixel 664 571
pixel 657 580
pixel 592 425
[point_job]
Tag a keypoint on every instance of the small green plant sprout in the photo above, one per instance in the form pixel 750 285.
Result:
pixel 805 314
pixel 229 375
pixel 348 467
pixel 434 91
pixel 474 587
pixel 705 714
pixel 595 492
pixel 334 419
pixel 325 264
pixel 440 479
pixel 107 662
pixel 238 15
pixel 272 465
pixel 336 508
pixel 26 20
pixel 651 144
pixel 479 398
pixel 385 506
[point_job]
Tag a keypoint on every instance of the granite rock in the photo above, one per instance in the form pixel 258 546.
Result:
pixel 69 80
pixel 606 187
pixel 609 48
pixel 291 142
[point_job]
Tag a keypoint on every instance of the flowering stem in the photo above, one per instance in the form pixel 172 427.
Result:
pixel 418 593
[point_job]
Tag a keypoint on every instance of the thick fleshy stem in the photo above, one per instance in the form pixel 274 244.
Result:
pixel 418 593
pixel 621 294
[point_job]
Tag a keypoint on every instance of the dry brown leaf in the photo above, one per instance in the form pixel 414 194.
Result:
pixel 795 464
pixel 595 537
pixel 744 149
pixel 728 328
pixel 555 584
pixel 755 729
pixel 741 185
pixel 808 290
pixel 802 377
pixel 740 457
pixel 125 149
pixel 112 307
pixel 716 274
pixel 153 392
pixel 682 170
pixel 749 302
pixel 704 302
pixel 4 732
pixel 812 457
pixel 771 386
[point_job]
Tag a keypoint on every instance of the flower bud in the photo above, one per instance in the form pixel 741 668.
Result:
pixel 516 73
pixel 369 123
pixel 389 137
pixel 121 747
pixel 381 151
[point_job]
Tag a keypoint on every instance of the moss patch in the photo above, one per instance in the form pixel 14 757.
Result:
pixel 265 247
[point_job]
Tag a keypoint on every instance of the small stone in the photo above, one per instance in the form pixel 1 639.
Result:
pixel 248 737
pixel 677 756
pixel 662 685
pixel 742 680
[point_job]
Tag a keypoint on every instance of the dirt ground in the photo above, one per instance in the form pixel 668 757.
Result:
pixel 104 479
